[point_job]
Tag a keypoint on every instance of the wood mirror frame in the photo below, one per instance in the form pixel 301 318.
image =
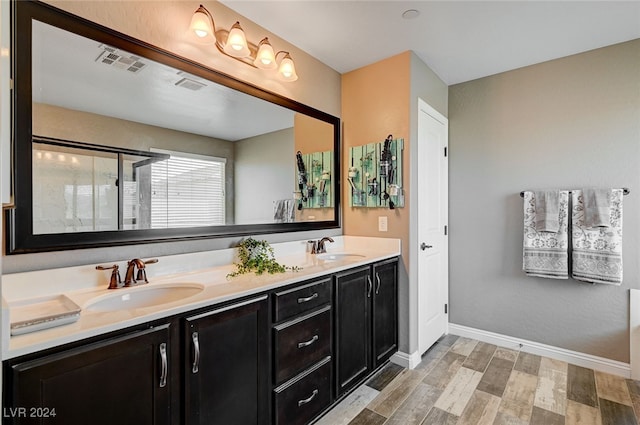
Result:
pixel 19 220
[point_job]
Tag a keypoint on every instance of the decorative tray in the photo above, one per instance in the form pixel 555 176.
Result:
pixel 42 313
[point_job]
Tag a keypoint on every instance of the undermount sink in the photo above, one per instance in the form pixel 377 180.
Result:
pixel 143 296
pixel 338 256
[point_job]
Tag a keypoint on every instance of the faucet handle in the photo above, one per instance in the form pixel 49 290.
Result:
pixel 142 275
pixel 115 281
pixel 142 272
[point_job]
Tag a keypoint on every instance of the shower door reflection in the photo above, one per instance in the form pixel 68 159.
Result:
pixel 79 187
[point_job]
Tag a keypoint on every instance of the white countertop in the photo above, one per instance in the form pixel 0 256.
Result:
pixel 84 284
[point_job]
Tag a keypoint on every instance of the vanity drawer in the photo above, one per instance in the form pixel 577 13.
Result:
pixel 300 343
pixel 298 402
pixel 292 302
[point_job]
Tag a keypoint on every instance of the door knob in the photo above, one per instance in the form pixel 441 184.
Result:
pixel 424 246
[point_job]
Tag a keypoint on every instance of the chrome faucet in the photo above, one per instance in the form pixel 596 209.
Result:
pixel 141 277
pixel 320 248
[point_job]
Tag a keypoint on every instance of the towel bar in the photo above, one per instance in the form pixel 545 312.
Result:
pixel 625 191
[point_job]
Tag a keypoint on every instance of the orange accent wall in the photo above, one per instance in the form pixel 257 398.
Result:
pixel 312 135
pixel 375 103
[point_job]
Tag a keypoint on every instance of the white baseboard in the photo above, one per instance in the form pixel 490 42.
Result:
pixel 580 359
pixel 634 332
pixel 410 361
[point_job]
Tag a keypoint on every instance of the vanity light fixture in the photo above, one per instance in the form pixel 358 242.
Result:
pixel 236 46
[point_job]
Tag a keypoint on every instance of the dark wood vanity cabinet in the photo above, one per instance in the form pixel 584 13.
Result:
pixel 226 370
pixel 120 380
pixel 282 357
pixel 302 352
pixel 366 321
pixel 384 311
pixel 353 327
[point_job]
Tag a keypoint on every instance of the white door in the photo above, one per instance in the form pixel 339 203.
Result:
pixel 433 273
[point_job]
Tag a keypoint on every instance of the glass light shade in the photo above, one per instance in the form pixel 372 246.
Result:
pixel 237 42
pixel 201 23
pixel 265 59
pixel 287 69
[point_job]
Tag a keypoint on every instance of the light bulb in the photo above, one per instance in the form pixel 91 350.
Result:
pixel 265 58
pixel 287 70
pixel 237 42
pixel 201 23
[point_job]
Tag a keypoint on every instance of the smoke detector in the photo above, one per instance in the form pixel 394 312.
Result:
pixel 120 59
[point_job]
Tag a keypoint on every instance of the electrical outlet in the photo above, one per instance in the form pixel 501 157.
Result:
pixel 382 224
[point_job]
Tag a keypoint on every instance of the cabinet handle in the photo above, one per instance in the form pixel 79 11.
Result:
pixel 378 286
pixel 307 343
pixel 370 286
pixel 164 365
pixel 307 400
pixel 196 352
pixel 304 300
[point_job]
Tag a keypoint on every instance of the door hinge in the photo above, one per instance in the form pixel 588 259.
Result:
pixel 11 84
pixel 445 151
pixel 446 308
pixel 446 230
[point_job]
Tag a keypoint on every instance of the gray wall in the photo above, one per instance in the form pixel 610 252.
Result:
pixel 567 123
pixel 264 172
pixel 426 85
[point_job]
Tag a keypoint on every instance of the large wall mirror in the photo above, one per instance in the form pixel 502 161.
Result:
pixel 119 142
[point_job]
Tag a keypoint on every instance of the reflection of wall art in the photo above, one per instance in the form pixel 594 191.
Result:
pixel 313 180
pixel 375 174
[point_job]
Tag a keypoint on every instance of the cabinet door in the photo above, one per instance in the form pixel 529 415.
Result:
pixel 385 311
pixel 123 380
pixel 227 365
pixel 353 291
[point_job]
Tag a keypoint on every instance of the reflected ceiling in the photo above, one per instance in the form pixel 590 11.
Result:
pixel 156 94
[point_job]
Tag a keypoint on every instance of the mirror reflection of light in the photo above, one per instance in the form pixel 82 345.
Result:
pixel 61 158
pixel 47 155
pixel 74 160
pixel 39 155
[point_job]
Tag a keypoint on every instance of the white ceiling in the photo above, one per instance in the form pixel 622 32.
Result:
pixel 458 40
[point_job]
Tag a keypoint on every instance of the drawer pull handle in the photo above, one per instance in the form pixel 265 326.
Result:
pixel 196 353
pixel 307 400
pixel 164 365
pixel 307 343
pixel 378 286
pixel 304 300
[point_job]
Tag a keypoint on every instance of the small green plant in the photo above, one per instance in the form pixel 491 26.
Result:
pixel 257 256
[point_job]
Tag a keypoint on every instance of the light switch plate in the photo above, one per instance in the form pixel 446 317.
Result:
pixel 382 224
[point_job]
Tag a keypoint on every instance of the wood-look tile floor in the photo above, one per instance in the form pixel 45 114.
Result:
pixel 461 381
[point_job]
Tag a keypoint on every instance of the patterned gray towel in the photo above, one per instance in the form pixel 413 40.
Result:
pixel 597 251
pixel 545 253
pixel 597 207
pixel 547 207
